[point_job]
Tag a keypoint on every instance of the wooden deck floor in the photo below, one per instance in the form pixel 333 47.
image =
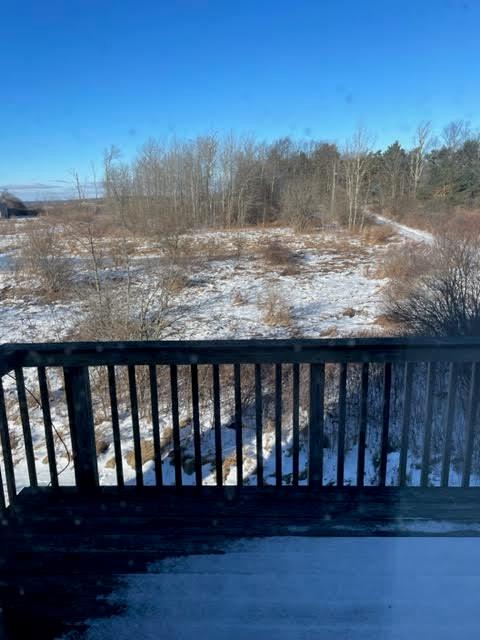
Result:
pixel 62 549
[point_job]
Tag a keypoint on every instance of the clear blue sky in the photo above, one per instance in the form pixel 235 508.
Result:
pixel 79 75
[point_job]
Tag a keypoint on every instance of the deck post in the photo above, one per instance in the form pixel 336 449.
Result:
pixel 80 414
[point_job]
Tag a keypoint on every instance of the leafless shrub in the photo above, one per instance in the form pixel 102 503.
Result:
pixel 277 254
pixel 276 310
pixel 445 301
pixel 299 204
pixel 42 255
pixel 125 311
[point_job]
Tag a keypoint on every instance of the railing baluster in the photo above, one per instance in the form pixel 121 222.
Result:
pixel 117 442
pixel 6 448
pixel 3 503
pixel 407 407
pixel 238 424
pixel 342 414
pixel 157 448
pixel 259 423
pixel 27 432
pixel 217 421
pixel 80 415
pixel 278 425
pixel 47 422
pixel 177 454
pixel 362 433
pixel 427 441
pixel 316 425
pixel 449 417
pixel 196 425
pixel 296 424
pixel 387 389
pixel 137 448
pixel 471 423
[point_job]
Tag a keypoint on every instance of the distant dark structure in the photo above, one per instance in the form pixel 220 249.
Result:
pixel 13 207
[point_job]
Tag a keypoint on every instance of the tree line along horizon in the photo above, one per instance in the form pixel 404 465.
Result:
pixel 225 181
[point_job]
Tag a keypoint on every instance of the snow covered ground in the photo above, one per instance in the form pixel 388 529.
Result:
pixel 299 588
pixel 416 235
pixel 328 287
pixel 329 290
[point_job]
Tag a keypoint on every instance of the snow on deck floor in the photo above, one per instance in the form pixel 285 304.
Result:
pixel 299 588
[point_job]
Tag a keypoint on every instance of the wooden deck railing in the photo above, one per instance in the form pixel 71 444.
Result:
pixel 386 380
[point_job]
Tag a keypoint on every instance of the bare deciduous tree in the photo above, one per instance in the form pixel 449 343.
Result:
pixel 356 160
pixel 421 143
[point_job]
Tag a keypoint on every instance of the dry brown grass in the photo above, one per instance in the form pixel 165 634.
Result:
pixel 228 464
pixel 345 245
pixel 43 256
pixel 388 325
pixel 404 263
pixel 8 227
pixel 239 298
pixel 277 254
pixel 102 442
pixel 378 234
pixel 147 451
pixel 329 332
pixel 197 252
pixel 276 310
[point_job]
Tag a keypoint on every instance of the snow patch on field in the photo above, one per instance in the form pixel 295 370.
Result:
pixel 405 231
pixel 334 274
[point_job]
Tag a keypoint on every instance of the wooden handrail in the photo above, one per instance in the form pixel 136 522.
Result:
pixel 407 349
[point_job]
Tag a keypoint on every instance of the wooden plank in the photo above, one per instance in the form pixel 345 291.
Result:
pixel 295 423
pixel 387 392
pixel 157 448
pixel 238 424
pixel 362 433
pixel 427 439
pixel 342 414
pixel 6 448
pixel 47 423
pixel 132 384
pixel 217 421
pixel 80 416
pixel 27 432
pixel 117 441
pixel 259 423
pixel 316 426
pixel 177 454
pixel 407 407
pixel 196 425
pixel 449 418
pixel 406 349
pixel 471 423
